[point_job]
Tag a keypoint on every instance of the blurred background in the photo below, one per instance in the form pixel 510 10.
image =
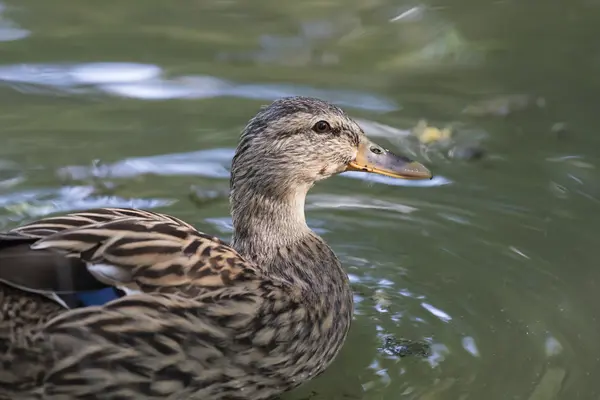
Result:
pixel 493 263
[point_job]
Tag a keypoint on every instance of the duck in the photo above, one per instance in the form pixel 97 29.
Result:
pixel 182 314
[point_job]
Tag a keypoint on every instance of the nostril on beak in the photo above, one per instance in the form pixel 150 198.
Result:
pixel 375 150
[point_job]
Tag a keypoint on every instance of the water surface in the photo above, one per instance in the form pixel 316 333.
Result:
pixel 494 263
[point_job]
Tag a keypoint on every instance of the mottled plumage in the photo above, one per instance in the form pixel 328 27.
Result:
pixel 196 318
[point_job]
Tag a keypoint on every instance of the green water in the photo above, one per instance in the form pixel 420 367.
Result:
pixel 493 263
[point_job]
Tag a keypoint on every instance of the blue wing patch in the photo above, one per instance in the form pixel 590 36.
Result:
pixel 91 298
pixel 98 297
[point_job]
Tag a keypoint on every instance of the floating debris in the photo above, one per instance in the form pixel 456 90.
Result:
pixel 382 300
pixel 430 134
pixel 465 147
pixel 466 153
pixel 405 347
pixel 558 190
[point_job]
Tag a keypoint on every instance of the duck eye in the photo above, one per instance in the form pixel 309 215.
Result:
pixel 322 127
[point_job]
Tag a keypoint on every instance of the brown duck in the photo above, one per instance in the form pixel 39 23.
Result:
pixel 190 316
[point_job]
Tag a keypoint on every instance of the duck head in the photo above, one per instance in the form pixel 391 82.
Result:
pixel 286 148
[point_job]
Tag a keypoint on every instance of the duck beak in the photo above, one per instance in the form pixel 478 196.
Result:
pixel 377 160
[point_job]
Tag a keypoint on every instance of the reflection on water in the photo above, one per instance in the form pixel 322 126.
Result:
pixel 141 81
pixel 492 263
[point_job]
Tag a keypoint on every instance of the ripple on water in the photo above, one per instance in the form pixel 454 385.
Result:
pixel 442 315
pixel 112 72
pixel 405 312
pixel 435 181
pixel 67 75
pixel 9 30
pixel 146 82
pixel 28 204
pixel 212 163
pixel 11 174
pixel 327 201
pixel 208 163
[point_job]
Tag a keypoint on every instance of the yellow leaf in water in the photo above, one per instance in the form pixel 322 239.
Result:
pixel 432 134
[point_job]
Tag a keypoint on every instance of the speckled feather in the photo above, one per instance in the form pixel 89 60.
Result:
pixel 206 324
pixel 202 320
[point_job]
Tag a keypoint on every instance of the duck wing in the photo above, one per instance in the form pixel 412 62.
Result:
pixel 199 320
pixel 131 250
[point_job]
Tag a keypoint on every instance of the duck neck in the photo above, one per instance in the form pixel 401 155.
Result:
pixel 270 229
pixel 272 232
pixel 265 221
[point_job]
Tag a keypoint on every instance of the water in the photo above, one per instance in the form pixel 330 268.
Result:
pixel 493 263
